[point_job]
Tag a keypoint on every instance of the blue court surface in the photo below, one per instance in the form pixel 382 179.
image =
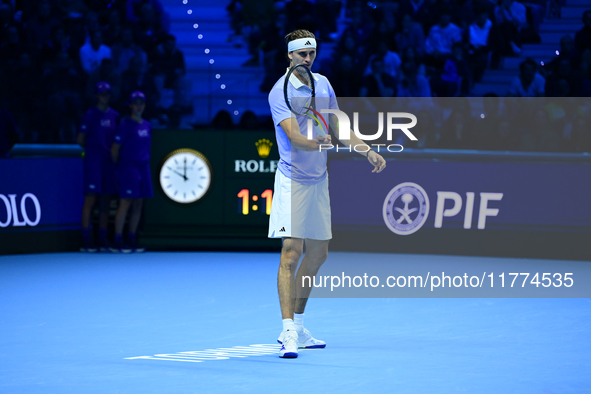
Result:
pixel 208 323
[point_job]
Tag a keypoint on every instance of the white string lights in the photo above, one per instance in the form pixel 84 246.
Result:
pixel 211 60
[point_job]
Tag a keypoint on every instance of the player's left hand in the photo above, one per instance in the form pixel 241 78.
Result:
pixel 376 160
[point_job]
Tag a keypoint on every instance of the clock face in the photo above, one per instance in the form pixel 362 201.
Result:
pixel 185 176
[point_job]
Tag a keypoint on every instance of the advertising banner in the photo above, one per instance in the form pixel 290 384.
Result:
pixel 40 194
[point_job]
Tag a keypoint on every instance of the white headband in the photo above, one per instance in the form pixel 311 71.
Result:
pixel 301 43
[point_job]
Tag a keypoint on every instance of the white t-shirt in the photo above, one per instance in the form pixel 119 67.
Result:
pixel 301 166
pixel 442 38
pixel 535 89
pixel 479 35
pixel 392 63
pixel 91 59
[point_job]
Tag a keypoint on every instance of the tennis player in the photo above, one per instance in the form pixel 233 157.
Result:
pixel 131 152
pixel 96 136
pixel 302 175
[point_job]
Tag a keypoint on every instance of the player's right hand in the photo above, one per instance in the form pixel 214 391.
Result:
pixel 322 142
pixel 324 139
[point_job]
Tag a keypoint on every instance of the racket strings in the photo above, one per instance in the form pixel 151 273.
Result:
pixel 299 99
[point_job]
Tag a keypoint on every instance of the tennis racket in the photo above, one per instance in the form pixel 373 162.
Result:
pixel 299 100
pixel 300 96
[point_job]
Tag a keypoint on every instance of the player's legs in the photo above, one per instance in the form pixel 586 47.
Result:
pixel 105 203
pixel 89 201
pixel 124 205
pixel 291 251
pixel 145 190
pixel 88 244
pixel 134 220
pixel 119 247
pixel 316 254
pixel 293 301
pixel 136 212
pixel 129 190
pixel 91 167
pixel 109 189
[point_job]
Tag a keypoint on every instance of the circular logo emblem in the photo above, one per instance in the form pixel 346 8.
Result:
pixel 406 208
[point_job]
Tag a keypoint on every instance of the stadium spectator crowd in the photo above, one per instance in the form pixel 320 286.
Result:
pixel 439 48
pixel 54 52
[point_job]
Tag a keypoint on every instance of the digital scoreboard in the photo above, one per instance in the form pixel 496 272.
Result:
pixel 212 189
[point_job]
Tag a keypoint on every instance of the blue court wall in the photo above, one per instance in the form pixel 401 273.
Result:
pixel 463 203
pixel 537 205
pixel 40 204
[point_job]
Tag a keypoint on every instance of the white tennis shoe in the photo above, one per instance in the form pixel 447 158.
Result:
pixel 305 340
pixel 289 348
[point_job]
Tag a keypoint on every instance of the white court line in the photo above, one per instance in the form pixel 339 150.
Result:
pixel 224 353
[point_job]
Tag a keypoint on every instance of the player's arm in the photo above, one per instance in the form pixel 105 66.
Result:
pixel 289 125
pixel 119 140
pixel 298 140
pixel 81 139
pixel 374 158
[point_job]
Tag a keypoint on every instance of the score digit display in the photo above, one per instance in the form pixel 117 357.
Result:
pixel 245 200
pixel 268 196
pixel 252 160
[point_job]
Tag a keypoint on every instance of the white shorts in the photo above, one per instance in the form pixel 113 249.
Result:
pixel 300 211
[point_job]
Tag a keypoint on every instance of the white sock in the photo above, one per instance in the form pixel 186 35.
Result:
pixel 288 325
pixel 298 320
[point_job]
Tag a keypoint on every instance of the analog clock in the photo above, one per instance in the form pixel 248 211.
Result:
pixel 185 176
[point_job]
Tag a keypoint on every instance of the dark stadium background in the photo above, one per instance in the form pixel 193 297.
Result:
pixel 207 69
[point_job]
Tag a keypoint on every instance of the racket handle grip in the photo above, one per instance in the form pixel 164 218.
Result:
pixel 312 126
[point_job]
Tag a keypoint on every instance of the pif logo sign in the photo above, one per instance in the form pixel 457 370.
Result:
pixel 406 208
